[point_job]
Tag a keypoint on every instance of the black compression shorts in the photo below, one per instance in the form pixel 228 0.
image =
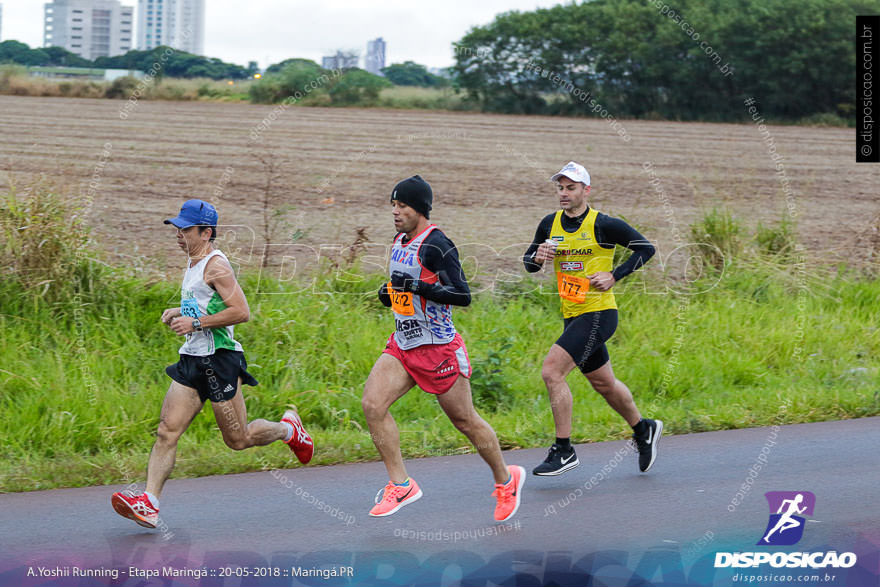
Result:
pixel 215 376
pixel 584 338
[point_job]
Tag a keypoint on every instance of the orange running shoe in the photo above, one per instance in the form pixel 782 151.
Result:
pixel 300 442
pixel 509 494
pixel 135 507
pixel 395 497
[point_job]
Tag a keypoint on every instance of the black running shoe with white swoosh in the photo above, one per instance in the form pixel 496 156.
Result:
pixel 558 461
pixel 647 443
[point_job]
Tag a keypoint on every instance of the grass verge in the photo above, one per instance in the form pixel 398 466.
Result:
pixel 757 339
pixel 82 379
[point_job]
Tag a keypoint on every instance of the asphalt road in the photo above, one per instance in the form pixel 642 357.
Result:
pixel 603 521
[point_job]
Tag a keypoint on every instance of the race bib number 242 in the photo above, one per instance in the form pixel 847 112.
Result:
pixel 401 301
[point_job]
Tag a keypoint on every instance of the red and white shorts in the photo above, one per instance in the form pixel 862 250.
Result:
pixel 435 367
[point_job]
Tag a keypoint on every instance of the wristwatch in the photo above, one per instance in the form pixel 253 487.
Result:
pixel 197 325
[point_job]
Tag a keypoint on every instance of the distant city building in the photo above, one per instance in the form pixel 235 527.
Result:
pixel 179 24
pixel 375 59
pixel 342 60
pixel 89 28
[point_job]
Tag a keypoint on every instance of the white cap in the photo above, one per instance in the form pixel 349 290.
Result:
pixel 574 172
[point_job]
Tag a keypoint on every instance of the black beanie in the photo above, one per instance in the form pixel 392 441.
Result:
pixel 416 193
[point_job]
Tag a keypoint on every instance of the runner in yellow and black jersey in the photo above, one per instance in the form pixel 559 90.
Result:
pixel 580 241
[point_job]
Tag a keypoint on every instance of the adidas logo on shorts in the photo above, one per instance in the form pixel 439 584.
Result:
pixel 228 388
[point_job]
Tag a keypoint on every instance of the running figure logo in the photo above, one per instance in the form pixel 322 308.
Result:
pixel 786 526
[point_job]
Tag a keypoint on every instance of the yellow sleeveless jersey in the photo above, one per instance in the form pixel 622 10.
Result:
pixel 578 255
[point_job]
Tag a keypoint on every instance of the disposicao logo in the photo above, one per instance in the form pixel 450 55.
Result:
pixel 786 525
pixel 785 528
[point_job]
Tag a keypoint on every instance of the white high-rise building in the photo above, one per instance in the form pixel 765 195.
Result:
pixel 375 59
pixel 342 60
pixel 179 24
pixel 89 28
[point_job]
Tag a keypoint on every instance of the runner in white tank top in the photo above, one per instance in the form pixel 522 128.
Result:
pixel 211 366
pixel 198 299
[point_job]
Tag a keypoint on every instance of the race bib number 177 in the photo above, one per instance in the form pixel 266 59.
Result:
pixel 572 287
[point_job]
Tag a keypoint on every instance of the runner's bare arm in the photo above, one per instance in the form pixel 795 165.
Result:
pixel 170 314
pixel 602 281
pixel 220 276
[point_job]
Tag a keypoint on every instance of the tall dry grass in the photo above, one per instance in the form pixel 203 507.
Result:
pixel 15 81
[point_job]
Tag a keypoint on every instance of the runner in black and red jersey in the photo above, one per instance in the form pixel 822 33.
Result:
pixel 425 350
pixel 580 242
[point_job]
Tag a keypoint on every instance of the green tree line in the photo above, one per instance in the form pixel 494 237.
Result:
pixel 21 54
pixel 297 78
pixel 176 63
pixel 173 63
pixel 410 73
pixel 653 59
pixel 304 80
pixel 669 59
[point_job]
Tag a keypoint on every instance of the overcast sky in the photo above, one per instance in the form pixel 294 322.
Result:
pixel 271 30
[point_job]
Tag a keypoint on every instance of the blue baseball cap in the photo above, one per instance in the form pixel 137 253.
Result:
pixel 195 212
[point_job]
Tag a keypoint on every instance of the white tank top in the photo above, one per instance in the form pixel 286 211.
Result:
pixel 424 321
pixel 197 298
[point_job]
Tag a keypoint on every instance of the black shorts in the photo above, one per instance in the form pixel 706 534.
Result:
pixel 584 338
pixel 215 376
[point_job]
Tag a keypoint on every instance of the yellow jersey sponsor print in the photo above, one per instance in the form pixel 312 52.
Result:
pixel 577 256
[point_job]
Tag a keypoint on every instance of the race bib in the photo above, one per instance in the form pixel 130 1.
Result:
pixel 401 301
pixel 573 287
pixel 189 307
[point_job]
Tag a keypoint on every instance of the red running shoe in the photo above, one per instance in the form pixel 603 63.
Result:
pixel 300 442
pixel 135 507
